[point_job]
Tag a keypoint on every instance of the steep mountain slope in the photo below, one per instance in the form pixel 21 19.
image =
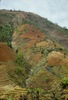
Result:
pixel 13 19
pixel 41 59
pixel 48 58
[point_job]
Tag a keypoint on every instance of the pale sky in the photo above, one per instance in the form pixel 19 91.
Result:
pixel 54 10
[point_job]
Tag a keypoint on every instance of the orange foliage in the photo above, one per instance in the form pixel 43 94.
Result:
pixel 6 53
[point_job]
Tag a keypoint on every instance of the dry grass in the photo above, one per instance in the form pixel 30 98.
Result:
pixel 6 53
pixel 57 59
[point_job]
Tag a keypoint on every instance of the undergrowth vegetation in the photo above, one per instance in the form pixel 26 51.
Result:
pixel 21 61
pixel 21 71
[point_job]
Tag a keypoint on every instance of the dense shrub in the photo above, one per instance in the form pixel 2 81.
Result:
pixel 23 62
pixel 64 82
pixel 21 71
pixel 6 33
